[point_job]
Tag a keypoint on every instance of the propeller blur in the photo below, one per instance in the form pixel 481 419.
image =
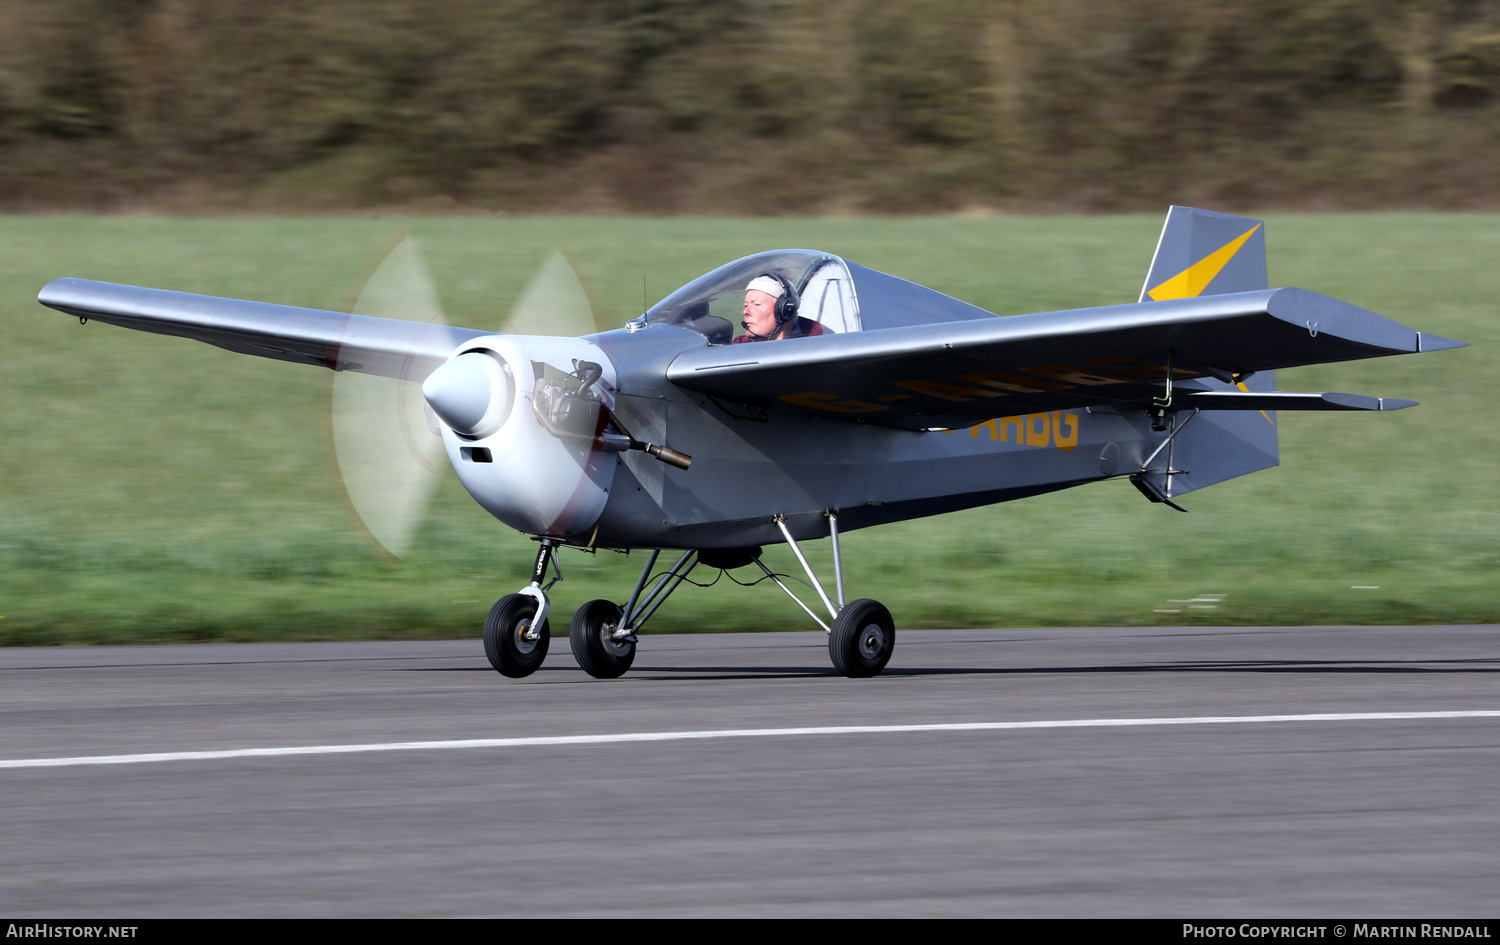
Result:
pixel 386 439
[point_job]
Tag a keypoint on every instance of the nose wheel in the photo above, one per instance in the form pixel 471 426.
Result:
pixel 516 632
pixel 514 643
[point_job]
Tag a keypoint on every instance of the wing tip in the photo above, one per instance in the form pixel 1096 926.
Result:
pixel 1426 341
pixel 1364 402
pixel 50 293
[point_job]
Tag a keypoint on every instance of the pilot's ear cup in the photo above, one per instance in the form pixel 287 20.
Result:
pixel 787 304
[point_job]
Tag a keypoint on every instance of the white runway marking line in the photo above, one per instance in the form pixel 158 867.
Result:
pixel 537 741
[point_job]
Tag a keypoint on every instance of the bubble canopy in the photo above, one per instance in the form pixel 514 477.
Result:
pixel 713 304
pixel 842 296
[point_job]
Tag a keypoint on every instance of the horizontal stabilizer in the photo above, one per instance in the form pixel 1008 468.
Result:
pixel 384 346
pixel 1283 400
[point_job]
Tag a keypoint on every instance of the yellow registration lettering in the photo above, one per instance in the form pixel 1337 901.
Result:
pixel 1038 437
pixel 1057 428
pixel 1069 441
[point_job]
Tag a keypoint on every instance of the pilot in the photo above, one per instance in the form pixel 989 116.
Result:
pixel 771 311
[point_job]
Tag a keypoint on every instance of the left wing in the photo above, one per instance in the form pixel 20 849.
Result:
pixel 963 372
pixel 385 346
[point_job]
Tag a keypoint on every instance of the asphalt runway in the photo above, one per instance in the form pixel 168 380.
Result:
pixel 1288 772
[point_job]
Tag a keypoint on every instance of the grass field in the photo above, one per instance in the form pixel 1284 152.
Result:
pixel 155 489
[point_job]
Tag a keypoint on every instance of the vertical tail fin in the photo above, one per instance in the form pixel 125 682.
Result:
pixel 1206 253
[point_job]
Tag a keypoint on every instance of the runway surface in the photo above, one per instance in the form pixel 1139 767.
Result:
pixel 1188 772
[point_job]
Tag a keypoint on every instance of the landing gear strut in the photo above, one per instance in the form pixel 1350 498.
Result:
pixel 603 634
pixel 863 634
pixel 516 633
pixel 603 637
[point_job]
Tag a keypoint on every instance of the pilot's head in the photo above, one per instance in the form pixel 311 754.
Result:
pixel 760 305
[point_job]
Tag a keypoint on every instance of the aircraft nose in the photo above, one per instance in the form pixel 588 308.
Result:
pixel 472 393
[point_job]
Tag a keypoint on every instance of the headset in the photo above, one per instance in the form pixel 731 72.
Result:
pixel 786 306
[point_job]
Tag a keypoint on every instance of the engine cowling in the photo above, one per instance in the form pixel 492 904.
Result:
pixel 521 420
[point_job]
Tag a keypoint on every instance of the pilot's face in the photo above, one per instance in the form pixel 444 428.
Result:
pixel 760 312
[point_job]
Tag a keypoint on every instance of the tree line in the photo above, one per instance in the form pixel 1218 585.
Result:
pixel 748 106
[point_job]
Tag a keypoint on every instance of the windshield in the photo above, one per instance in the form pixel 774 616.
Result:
pixel 712 305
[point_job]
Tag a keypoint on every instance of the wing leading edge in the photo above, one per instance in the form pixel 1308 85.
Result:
pixel 964 372
pixel 383 346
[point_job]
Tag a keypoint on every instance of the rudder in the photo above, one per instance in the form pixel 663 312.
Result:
pixel 1205 253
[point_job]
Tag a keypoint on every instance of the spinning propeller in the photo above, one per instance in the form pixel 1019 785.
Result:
pixel 386 439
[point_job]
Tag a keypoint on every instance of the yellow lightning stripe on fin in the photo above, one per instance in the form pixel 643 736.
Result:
pixel 1241 384
pixel 1190 282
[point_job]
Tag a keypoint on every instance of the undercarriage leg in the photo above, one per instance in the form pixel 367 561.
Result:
pixel 838 562
pixel 535 590
pixel 603 635
pixel 863 634
pixel 772 575
pixel 516 633
pixel 817 585
pixel 637 613
pixel 635 595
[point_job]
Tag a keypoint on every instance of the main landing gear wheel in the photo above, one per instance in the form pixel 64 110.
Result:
pixel 514 650
pixel 593 643
pixel 862 639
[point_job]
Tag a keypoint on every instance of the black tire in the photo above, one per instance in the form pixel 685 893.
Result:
pixel 589 636
pixel 862 639
pixel 510 653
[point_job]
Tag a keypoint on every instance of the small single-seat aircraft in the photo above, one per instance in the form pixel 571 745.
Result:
pixel 665 434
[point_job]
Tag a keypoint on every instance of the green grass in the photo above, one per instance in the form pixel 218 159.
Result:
pixel 154 489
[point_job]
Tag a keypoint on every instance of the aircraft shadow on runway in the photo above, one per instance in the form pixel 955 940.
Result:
pixel 677 672
pixel 1353 666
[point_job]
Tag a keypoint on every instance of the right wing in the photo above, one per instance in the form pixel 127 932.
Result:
pixel 964 372
pixel 384 346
